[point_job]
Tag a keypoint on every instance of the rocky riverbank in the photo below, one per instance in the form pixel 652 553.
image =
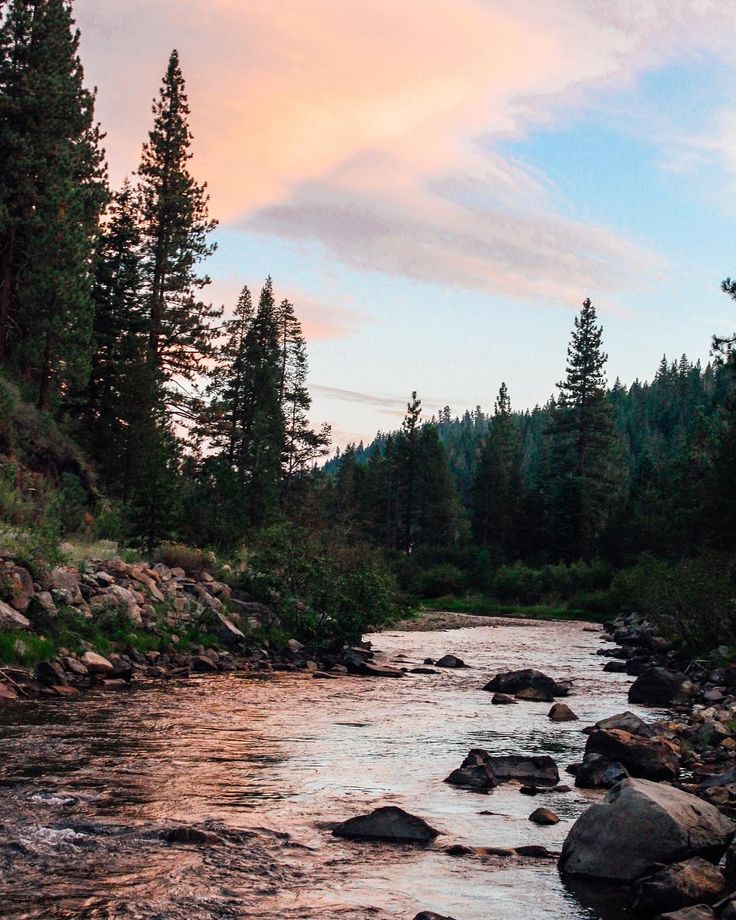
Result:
pixel 110 624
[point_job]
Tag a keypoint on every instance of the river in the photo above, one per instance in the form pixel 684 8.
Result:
pixel 87 786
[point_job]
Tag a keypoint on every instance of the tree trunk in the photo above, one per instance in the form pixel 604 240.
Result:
pixel 5 293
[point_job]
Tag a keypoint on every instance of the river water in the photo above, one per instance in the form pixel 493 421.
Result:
pixel 88 786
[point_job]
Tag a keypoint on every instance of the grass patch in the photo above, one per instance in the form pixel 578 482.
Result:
pixel 482 605
pixel 21 648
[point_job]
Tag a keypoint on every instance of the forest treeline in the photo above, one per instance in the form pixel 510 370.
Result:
pixel 598 473
pixel 196 421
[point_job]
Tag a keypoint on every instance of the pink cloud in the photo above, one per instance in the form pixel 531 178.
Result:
pixel 353 122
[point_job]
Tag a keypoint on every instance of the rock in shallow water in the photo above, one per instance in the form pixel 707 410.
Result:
pixel 699 912
pixel 529 681
pixel 642 823
pixel 685 884
pixel 658 687
pixel 561 712
pixel 390 824
pixel 450 661
pixel 481 770
pixel 544 817
pixel 647 758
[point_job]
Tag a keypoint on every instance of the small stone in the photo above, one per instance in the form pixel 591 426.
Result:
pixel 389 823
pixel 544 817
pixel 561 712
pixel 502 699
pixel 96 664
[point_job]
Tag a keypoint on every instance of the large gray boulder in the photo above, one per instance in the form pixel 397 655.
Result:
pixel 642 823
pixel 389 823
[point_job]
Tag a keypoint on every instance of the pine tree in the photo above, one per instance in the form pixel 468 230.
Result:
pixel 303 445
pixel 54 188
pixel 581 486
pixel 497 489
pixel 408 461
pixel 175 226
pixel 119 343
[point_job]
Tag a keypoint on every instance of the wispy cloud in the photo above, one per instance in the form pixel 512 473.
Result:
pixel 356 124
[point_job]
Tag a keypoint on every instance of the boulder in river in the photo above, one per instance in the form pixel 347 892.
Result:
pixel 642 823
pixel 514 682
pixel 450 661
pixel 431 915
pixel 502 699
pixel 648 758
pixel 191 835
pixel 474 773
pixel 628 721
pixel 533 770
pixel 388 823
pixel 561 712
pixel 659 687
pixel 597 772
pixel 684 884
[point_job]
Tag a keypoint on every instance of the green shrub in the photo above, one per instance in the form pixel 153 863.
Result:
pixel 440 580
pixel 519 584
pixel 177 555
pixel 325 591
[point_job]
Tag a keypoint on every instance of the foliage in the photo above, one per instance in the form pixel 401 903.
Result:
pixel 325 591
pixel 193 561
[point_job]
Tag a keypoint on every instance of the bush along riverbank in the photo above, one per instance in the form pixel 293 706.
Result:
pixel 110 623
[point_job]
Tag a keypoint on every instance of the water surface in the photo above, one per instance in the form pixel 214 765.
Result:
pixel 87 786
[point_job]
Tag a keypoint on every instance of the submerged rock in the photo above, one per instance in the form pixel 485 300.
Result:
pixel 503 699
pixel 483 770
pixel 388 823
pixel 191 835
pixel 561 712
pixel 642 823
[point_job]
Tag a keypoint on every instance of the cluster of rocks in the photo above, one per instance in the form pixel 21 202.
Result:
pixel 667 820
pixel 158 601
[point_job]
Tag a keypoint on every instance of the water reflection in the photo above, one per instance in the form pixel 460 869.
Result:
pixel 87 786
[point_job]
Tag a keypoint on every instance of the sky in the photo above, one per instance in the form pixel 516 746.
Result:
pixel 437 185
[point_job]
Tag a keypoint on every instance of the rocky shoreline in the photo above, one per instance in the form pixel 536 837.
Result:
pixel 161 605
pixel 663 834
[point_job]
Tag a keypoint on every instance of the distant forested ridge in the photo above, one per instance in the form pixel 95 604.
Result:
pixel 599 471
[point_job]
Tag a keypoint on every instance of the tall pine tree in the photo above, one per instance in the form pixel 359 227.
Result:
pixel 53 190
pixel 174 228
pixel 581 481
